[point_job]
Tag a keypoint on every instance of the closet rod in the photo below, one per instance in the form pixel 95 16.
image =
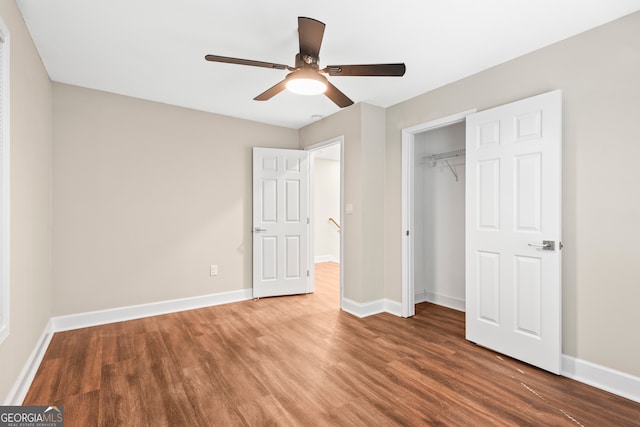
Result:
pixel 435 158
pixel 444 156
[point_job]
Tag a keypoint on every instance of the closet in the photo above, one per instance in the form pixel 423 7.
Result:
pixel 439 216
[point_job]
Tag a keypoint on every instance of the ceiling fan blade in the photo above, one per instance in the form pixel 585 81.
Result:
pixel 339 98
pixel 391 70
pixel 228 60
pixel 310 33
pixel 272 91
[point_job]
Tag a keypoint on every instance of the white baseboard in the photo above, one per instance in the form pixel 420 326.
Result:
pixel 326 258
pixel 616 382
pixel 370 308
pixel 362 309
pixel 102 317
pixel 420 296
pixel 20 388
pixel 443 300
pixel 446 301
pixel 393 307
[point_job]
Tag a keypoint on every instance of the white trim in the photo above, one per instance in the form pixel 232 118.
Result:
pixel 393 307
pixel 607 379
pixel 370 308
pixel 408 304
pixel 327 142
pixel 5 154
pixel 102 317
pixel 443 300
pixel 446 301
pixel 326 258
pixel 311 148
pixel 20 388
pixel 408 136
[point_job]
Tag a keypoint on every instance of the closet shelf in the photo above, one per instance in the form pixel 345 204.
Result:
pixel 435 158
pixel 445 156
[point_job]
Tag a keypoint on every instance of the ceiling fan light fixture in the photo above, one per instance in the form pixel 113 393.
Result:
pixel 307 78
pixel 306 83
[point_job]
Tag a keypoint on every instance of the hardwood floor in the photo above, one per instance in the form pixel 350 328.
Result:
pixel 299 360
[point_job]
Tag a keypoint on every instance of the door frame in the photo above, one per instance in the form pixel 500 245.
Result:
pixel 313 148
pixel 408 160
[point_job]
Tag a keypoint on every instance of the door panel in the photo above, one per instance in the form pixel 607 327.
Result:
pixel 528 288
pixel 489 194
pixel 269 258
pixel 292 259
pixel 269 201
pixel 489 287
pixel 513 203
pixel 292 201
pixel 280 222
pixel 528 204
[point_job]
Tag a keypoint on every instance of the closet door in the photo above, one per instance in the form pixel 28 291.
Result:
pixel 513 219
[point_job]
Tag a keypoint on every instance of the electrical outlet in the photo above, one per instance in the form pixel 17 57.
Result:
pixel 213 270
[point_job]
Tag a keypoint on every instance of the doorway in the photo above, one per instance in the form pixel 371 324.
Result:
pixel 417 167
pixel 512 232
pixel 439 216
pixel 326 242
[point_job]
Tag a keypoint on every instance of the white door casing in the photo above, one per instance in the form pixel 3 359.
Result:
pixel 513 204
pixel 408 220
pixel 280 222
pixel 312 149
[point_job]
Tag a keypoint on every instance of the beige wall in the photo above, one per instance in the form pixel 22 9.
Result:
pixel 345 123
pixel 362 126
pixel 373 202
pixel 598 74
pixel 30 140
pixel 146 197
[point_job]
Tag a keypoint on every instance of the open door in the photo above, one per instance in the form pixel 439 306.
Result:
pixel 513 230
pixel 280 222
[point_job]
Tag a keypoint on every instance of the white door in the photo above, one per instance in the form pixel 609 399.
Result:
pixel 513 219
pixel 280 222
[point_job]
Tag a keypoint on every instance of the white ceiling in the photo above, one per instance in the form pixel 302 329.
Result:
pixel 154 49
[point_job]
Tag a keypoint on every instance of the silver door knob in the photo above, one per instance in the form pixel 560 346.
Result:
pixel 546 245
pixel 259 230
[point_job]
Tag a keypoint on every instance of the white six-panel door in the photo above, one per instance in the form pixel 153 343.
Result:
pixel 513 205
pixel 280 222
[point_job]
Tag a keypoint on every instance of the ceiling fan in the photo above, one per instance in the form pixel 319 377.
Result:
pixel 307 77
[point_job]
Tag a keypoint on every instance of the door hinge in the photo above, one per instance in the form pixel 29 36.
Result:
pixel 560 245
pixel 407 232
pixel 307 220
pixel 307 273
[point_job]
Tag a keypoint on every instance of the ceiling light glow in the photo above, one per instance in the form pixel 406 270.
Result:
pixel 306 83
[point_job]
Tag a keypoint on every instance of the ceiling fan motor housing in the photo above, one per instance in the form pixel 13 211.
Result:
pixel 306 61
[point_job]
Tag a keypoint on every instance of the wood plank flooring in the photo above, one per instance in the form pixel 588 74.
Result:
pixel 300 361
